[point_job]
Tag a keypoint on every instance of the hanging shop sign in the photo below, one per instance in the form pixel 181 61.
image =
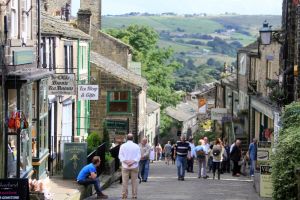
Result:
pixel 62 84
pixel 88 92
pixel 202 105
pixel 23 57
pixel 74 159
pixel 263 153
pixel 218 113
pixel 266 187
pixel 14 189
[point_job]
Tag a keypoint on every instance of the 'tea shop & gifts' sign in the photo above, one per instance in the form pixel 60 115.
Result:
pixel 88 92
pixel 62 84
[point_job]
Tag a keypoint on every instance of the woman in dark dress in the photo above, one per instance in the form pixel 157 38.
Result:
pixel 173 156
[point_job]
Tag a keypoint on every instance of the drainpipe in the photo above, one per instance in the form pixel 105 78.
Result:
pixel 39 34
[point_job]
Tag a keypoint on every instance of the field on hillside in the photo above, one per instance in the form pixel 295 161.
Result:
pixel 199 41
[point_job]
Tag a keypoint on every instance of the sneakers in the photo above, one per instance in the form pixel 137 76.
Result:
pixel 102 196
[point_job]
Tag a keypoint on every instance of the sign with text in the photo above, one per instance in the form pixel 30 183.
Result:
pixel 88 92
pixel 266 187
pixel 74 159
pixel 62 84
pixel 202 106
pixel 14 189
pixel 263 153
pixel 218 113
pixel 23 57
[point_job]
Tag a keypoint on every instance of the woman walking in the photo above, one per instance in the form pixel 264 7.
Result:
pixel 217 153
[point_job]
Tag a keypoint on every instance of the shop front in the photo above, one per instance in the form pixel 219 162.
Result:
pixel 26 129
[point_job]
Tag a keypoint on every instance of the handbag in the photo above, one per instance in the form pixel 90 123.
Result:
pixel 11 121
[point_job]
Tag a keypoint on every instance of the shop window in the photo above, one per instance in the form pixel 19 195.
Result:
pixel 119 102
pixel 43 118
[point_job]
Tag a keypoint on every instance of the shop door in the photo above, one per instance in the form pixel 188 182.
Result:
pixel 67 124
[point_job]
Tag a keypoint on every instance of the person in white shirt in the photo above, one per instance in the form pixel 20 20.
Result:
pixel 129 156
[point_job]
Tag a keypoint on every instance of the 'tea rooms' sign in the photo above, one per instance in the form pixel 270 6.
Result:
pixel 88 92
pixel 62 84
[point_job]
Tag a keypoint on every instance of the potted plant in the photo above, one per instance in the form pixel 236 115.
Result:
pixel 109 164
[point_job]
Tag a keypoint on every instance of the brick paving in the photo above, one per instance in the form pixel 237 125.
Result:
pixel 163 185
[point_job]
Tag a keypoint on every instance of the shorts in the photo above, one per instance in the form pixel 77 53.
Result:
pixel 168 155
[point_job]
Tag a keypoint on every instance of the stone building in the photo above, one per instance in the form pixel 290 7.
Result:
pixel 152 122
pixel 65 51
pixel 122 100
pixel 24 86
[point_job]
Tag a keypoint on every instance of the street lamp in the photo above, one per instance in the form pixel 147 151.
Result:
pixel 265 33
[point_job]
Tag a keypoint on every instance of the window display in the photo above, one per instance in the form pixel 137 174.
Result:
pixel 43 117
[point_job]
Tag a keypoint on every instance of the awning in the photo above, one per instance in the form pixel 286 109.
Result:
pixel 30 74
pixel 264 108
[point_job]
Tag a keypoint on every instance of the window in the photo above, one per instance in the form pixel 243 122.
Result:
pixel 242 64
pixel 48 53
pixel 26 21
pixel 43 118
pixel 119 102
pixel 14 19
pixel 68 58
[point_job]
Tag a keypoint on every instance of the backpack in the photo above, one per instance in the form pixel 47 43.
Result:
pixel 216 152
pixel 200 154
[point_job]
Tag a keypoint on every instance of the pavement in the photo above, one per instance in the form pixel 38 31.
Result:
pixel 163 185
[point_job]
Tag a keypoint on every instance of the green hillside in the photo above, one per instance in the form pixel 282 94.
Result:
pixel 201 44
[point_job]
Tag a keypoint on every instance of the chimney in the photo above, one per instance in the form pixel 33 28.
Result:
pixel 95 7
pixel 84 20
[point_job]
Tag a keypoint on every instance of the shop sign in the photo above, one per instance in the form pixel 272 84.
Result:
pixel 266 187
pixel 14 189
pixel 23 57
pixel 263 153
pixel 218 113
pixel 74 159
pixel 88 92
pixel 117 125
pixel 202 105
pixel 62 84
pixel 276 128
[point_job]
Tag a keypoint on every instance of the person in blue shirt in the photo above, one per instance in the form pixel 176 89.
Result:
pixel 88 175
pixel 253 156
pixel 199 152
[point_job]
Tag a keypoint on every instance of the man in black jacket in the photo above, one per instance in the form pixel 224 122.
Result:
pixel 235 156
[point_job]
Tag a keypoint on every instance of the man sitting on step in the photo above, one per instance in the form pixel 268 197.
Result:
pixel 88 175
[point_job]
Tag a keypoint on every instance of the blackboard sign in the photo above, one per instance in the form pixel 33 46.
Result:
pixel 14 189
pixel 75 156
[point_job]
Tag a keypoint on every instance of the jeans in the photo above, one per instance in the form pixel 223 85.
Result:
pixel 90 181
pixel 144 169
pixel 252 167
pixel 181 164
pixel 201 167
pixel 190 165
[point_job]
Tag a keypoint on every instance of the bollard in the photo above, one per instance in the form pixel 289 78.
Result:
pixel 297 173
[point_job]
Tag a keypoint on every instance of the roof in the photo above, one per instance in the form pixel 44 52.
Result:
pixel 251 48
pixel 205 88
pixel 152 106
pixel 55 26
pixel 183 111
pixel 230 80
pixel 117 70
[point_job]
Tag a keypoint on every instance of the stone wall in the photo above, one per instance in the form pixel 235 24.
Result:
pixel 95 7
pixel 111 48
pixel 54 6
pixel 98 112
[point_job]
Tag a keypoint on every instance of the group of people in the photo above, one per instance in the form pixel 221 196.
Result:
pixel 135 160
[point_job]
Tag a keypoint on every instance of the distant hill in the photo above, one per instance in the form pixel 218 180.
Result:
pixel 201 43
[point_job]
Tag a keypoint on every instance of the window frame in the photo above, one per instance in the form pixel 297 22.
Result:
pixel 129 100
pixel 68 57
pixel 14 10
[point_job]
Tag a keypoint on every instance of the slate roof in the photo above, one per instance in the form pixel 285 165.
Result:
pixel 152 106
pixel 253 48
pixel 55 26
pixel 117 70
pixel 204 88
pixel 184 111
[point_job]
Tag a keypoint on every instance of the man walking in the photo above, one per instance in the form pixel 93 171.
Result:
pixel 190 162
pixel 199 153
pixel 129 155
pixel 235 156
pixel 168 152
pixel 183 150
pixel 253 156
pixel 88 176
pixel 145 159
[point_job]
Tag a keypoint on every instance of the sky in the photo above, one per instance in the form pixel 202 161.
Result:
pixel 251 7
